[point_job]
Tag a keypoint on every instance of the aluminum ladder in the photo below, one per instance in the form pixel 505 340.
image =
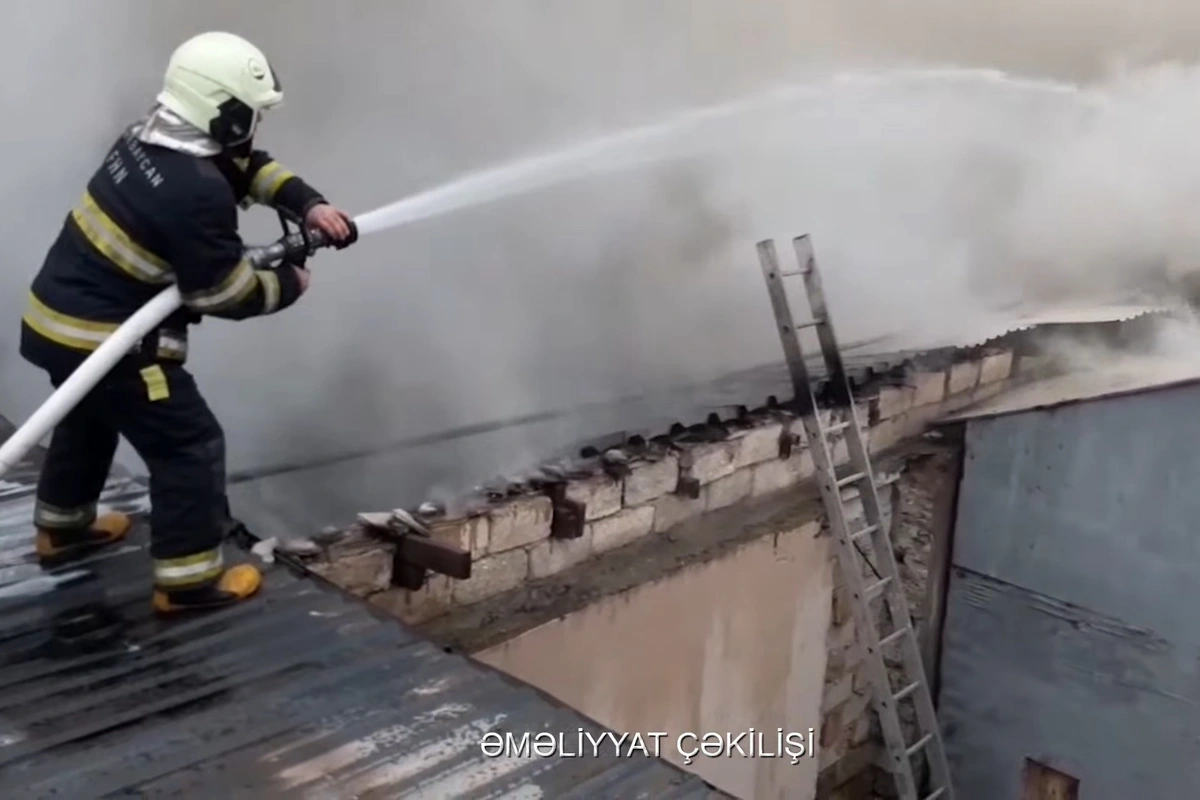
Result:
pixel 867 578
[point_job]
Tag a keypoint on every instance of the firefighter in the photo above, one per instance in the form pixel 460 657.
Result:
pixel 161 209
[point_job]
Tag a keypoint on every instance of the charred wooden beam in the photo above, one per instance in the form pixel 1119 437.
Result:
pixel 416 553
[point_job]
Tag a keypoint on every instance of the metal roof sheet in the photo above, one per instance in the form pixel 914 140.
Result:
pixel 1128 375
pixel 985 328
pixel 301 693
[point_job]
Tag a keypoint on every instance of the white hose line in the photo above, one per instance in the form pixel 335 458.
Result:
pixel 88 374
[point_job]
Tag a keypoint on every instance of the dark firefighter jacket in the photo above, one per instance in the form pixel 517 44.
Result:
pixel 150 217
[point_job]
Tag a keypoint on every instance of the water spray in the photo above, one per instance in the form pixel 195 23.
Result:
pixel 604 154
pixel 294 247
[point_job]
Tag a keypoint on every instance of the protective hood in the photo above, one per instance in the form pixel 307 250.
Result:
pixel 165 128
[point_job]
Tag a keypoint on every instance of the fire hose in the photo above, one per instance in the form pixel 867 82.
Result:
pixel 293 248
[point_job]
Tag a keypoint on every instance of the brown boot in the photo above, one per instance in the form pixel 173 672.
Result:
pixel 58 547
pixel 235 584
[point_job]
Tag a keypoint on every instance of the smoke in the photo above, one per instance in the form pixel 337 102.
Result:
pixel 930 204
pixel 1149 352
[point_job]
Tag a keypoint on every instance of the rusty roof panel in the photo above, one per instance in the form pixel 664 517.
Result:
pixel 302 693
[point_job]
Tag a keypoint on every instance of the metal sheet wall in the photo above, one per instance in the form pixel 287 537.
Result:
pixel 1072 633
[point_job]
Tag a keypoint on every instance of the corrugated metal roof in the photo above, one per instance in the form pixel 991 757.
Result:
pixel 1128 375
pixel 984 328
pixel 302 692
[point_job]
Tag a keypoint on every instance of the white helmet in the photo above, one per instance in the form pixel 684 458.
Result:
pixel 220 83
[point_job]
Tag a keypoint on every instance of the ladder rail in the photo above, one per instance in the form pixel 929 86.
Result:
pixel 803 400
pixel 851 557
pixel 839 387
pixel 792 352
pixel 865 627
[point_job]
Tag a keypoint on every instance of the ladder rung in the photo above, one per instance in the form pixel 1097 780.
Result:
pixel 936 794
pixel 919 744
pixel 849 479
pixel 875 589
pixel 789 273
pixel 810 324
pixel 894 636
pixel 838 427
pixel 906 691
pixel 867 531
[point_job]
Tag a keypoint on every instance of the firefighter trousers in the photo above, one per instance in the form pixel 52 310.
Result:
pixel 158 408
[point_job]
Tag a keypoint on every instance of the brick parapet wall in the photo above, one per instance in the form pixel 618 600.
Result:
pixel 561 519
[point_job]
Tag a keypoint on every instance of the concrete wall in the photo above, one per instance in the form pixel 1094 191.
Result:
pixel 722 646
pixel 759 637
pixel 1071 633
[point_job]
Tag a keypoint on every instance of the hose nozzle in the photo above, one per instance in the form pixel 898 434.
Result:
pixel 297 246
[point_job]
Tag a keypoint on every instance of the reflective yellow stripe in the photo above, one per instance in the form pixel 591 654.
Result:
pixel 267 181
pixel 270 287
pixel 46 515
pixel 172 345
pixel 107 237
pixel 240 281
pixel 155 379
pixel 189 570
pixel 82 334
pixel 66 330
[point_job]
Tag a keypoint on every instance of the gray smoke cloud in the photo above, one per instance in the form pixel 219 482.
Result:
pixel 929 202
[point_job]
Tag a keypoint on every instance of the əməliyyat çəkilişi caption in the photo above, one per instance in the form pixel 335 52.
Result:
pixel 711 744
